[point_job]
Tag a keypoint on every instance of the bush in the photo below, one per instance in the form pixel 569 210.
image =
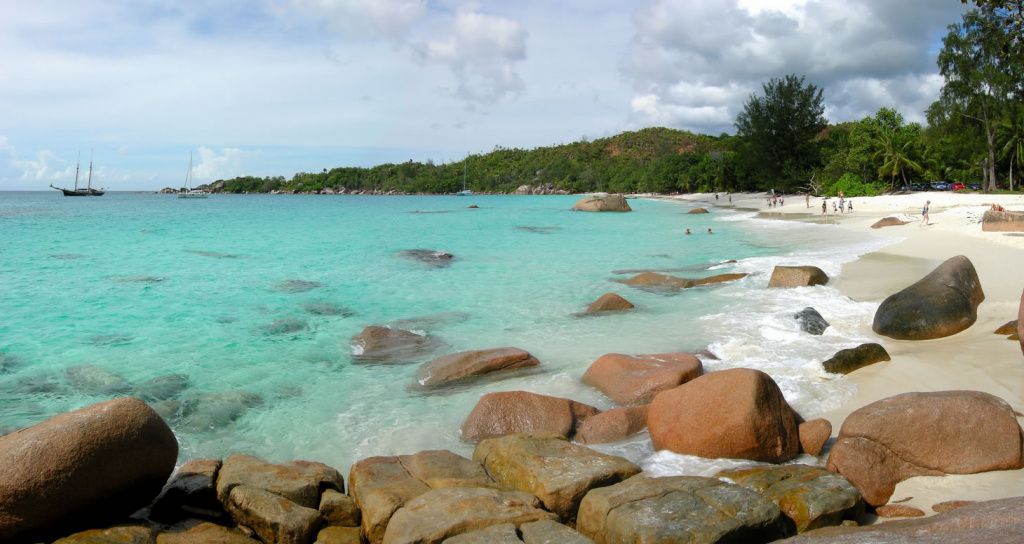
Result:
pixel 852 185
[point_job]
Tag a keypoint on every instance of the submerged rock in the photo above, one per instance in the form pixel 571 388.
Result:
pixel 109 339
pixel 508 412
pixel 738 414
pixel 211 411
pixel 137 279
pixel 811 497
pixel 942 303
pixel 653 281
pixel 436 259
pixel 811 321
pixel 9 363
pixel 285 325
pixel 602 203
pixel 297 286
pixel 98 463
pixel 161 387
pixel 797 276
pixel 698 210
pixel 214 254
pixel 684 509
pixel 608 302
pixel 328 309
pixel 925 434
pixel 429 322
pixel 93 380
pixel 467 365
pixel 538 230
pixel 551 468
pixel 846 361
pixel 376 344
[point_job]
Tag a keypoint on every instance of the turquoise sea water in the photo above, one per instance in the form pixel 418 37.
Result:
pixel 232 296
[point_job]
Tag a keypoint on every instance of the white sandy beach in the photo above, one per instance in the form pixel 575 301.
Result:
pixel 975 359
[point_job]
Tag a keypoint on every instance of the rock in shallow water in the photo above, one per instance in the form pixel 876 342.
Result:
pixel 797 276
pixel 602 203
pixel 636 379
pixel 940 304
pixel 508 412
pixel 161 387
pixel 112 458
pixel 436 259
pixel 609 302
pixel 93 380
pixel 846 361
pixel 679 509
pixel 811 321
pixel 297 286
pixel 467 365
pixel 327 308
pixel 288 325
pixel 612 425
pixel 376 344
pixel 210 411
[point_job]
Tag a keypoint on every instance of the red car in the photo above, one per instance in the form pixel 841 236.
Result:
pixel 956 186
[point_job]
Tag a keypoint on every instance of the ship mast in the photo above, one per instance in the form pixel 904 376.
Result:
pixel 90 170
pixel 78 163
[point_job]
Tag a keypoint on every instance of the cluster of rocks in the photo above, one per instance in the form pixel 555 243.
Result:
pixel 540 189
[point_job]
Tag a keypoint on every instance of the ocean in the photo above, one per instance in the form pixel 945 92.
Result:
pixel 238 310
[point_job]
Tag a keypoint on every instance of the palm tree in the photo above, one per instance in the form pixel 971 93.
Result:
pixel 1012 131
pixel 894 155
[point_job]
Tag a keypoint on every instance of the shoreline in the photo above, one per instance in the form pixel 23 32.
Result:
pixel 974 359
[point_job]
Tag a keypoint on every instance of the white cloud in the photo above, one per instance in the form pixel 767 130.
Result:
pixel 702 59
pixel 215 165
pixel 367 18
pixel 482 51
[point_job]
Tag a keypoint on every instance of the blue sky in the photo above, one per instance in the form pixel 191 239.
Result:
pixel 273 87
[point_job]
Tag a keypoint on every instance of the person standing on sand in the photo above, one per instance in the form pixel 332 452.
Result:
pixel 924 213
pixel 824 207
pixel 849 206
pixel 807 198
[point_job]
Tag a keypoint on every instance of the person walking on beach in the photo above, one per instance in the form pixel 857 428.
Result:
pixel 849 206
pixel 924 213
pixel 807 198
pixel 824 207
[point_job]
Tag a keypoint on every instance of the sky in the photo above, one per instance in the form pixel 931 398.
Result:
pixel 274 87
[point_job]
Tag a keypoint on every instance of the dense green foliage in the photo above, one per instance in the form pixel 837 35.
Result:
pixel 975 135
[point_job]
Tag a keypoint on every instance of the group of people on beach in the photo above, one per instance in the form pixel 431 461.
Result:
pixel 776 200
pixel 838 206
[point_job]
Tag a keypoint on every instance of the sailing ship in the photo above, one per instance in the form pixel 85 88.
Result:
pixel 188 191
pixel 464 191
pixel 87 190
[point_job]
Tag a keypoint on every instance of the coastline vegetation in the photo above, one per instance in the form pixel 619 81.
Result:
pixel 974 135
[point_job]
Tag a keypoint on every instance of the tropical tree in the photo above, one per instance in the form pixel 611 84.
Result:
pixel 777 130
pixel 895 154
pixel 1012 131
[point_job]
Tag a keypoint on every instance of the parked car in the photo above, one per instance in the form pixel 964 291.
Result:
pixel 956 186
pixel 940 186
pixel 974 186
pixel 918 186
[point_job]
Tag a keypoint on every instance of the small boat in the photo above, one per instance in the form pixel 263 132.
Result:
pixel 188 191
pixel 464 191
pixel 87 190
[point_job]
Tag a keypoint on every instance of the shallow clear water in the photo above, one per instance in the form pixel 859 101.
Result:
pixel 216 290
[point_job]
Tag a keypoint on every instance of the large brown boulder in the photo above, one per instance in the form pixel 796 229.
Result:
pixel 942 303
pixel 612 425
pixel 339 509
pixel 1008 328
pixel 888 222
pixel 846 361
pixel 657 282
pixel 118 534
pixel 698 210
pixel 272 517
pixel 1002 221
pixel 915 434
pixel 298 481
pixel 738 413
pixel 813 435
pixel 382 485
pixel 609 302
pixel 679 509
pixel 810 496
pixel 635 379
pixel 507 412
pixel 602 203
pixel 466 365
pixel 376 344
pixel 549 532
pixel 101 462
pixel 193 532
pixel 190 493
pixel 992 522
pixel 550 467
pixel 443 513
pixel 797 276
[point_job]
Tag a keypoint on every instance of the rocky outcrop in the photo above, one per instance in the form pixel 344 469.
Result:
pixel 635 379
pixel 339 509
pixel 811 321
pixel 698 210
pixel 272 517
pixel 504 533
pixel 612 425
pixel 556 471
pixel 508 412
pixel 797 276
pixel 97 463
pixel 942 303
pixel 193 532
pixel 689 509
pixel 119 534
pixel 608 302
pixel 467 365
pixel 846 361
pixel 992 522
pixel 301 482
pixel 430 257
pixel 602 203
pixel 376 344
pixel 888 222
pixel 190 493
pixel 915 434
pixel 442 513
pixel 738 413
pixel 811 497
pixel 382 485
pixel 1002 221
pixel 813 435
pixel 549 532
pixel 656 282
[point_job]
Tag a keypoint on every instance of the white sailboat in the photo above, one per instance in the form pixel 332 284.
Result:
pixel 464 191
pixel 188 191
